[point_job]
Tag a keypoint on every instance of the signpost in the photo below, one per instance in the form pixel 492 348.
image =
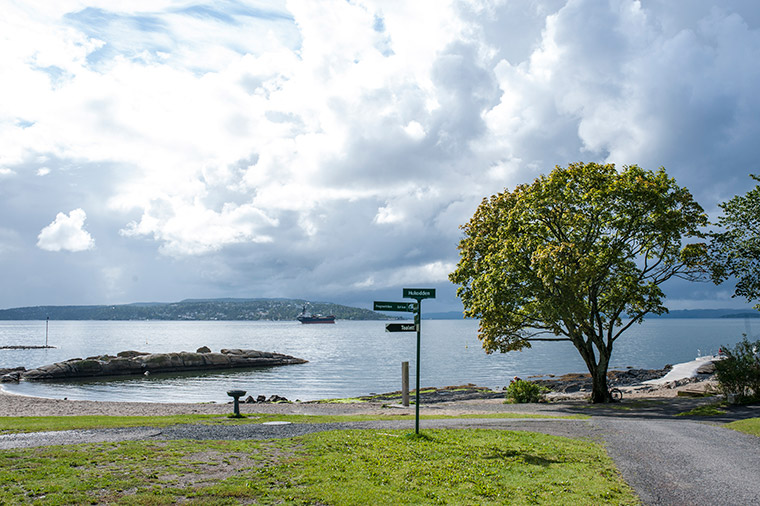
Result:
pixel 400 327
pixel 419 293
pixel 410 307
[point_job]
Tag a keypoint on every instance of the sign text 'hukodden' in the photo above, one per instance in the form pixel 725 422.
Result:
pixel 419 293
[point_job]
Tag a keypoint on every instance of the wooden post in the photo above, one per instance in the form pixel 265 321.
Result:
pixel 405 383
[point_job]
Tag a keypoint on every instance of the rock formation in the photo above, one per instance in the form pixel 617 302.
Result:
pixel 136 362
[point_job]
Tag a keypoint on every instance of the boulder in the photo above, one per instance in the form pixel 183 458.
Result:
pixel 119 366
pixel 191 359
pixel 11 377
pixel 706 368
pixel 216 359
pixel 4 371
pixel 131 354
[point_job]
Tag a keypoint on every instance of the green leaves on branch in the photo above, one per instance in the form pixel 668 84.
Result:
pixel 575 251
pixel 735 252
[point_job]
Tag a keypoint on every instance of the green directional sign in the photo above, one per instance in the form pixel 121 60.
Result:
pixel 419 293
pixel 408 307
pixel 400 327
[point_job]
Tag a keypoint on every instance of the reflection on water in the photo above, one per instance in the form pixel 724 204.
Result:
pixel 345 359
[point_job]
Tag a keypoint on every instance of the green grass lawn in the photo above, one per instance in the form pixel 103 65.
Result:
pixel 336 468
pixel 16 424
pixel 750 426
pixel 706 410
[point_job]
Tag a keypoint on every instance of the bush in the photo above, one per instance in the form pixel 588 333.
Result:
pixel 739 372
pixel 520 391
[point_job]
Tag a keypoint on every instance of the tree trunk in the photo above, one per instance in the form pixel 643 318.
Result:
pixel 599 391
pixel 598 369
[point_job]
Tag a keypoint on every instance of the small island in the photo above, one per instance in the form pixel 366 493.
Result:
pixel 130 362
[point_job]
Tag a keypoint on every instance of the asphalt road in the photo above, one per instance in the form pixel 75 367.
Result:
pixel 685 462
pixel 666 461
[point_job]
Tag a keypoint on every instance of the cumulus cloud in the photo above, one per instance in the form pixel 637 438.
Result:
pixel 66 233
pixel 334 144
pixel 192 230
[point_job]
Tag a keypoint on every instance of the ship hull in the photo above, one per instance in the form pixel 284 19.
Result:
pixel 316 319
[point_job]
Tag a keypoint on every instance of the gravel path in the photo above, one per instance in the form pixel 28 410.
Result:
pixel 684 462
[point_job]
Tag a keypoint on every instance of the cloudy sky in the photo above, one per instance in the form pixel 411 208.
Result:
pixel 155 150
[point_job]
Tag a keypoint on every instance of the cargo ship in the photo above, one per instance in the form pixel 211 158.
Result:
pixel 306 317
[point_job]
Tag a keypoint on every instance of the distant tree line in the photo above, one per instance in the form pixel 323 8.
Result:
pixel 213 309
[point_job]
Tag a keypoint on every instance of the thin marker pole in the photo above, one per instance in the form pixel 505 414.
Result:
pixel 47 324
pixel 417 392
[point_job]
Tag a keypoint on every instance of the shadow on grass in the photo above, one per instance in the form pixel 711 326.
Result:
pixel 681 407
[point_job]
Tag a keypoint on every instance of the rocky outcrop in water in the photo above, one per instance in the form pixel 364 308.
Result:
pixel 11 375
pixel 136 362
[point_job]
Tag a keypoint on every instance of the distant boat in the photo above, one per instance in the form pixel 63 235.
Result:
pixel 306 317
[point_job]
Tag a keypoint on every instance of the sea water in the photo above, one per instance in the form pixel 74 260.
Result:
pixel 347 359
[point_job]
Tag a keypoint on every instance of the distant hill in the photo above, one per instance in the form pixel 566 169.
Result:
pixel 678 313
pixel 447 315
pixel 710 313
pixel 193 309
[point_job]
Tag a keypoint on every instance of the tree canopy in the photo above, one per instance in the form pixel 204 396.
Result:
pixel 735 251
pixel 580 253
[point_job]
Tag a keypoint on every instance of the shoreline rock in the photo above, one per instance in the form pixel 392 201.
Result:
pixel 576 382
pixel 132 362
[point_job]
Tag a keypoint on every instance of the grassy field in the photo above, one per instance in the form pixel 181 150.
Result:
pixel 337 468
pixel 16 424
pixel 750 426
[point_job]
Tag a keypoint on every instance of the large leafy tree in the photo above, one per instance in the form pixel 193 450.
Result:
pixel 735 251
pixel 579 254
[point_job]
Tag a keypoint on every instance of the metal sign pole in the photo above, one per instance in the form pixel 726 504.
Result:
pixel 417 391
pixel 417 294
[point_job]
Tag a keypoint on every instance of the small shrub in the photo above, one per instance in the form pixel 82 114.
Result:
pixel 739 372
pixel 521 391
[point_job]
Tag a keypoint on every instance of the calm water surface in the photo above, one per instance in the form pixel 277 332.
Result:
pixel 346 359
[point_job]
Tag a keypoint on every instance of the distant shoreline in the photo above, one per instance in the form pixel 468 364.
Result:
pixel 267 309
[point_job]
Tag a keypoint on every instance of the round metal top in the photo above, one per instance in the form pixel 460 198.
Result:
pixel 236 393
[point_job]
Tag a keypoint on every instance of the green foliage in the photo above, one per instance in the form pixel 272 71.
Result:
pixel 739 372
pixel 521 391
pixel 706 410
pixel 338 467
pixel 572 253
pixel 735 252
